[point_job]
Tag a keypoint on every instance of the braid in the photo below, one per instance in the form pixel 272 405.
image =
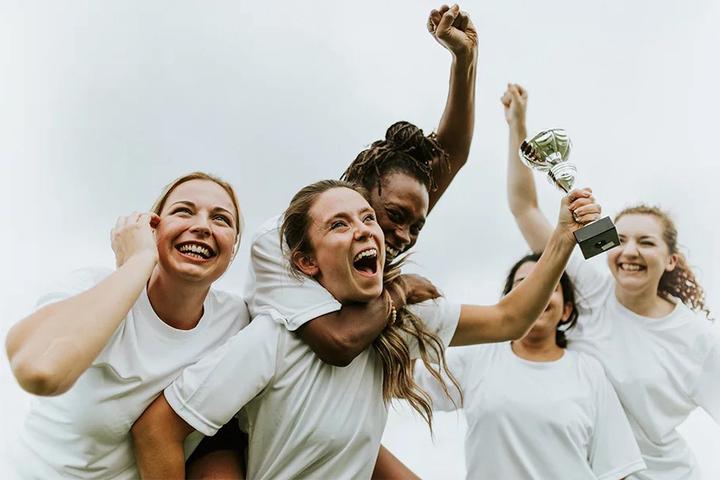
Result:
pixel 405 149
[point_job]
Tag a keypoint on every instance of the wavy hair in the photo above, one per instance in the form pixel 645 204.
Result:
pixel 390 346
pixel 681 281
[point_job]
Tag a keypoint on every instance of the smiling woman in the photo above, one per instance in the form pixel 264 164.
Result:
pixel 109 341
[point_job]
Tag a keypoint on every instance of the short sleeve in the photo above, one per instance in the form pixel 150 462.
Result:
pixel 209 393
pixel 270 286
pixel 73 284
pixel 614 453
pixel 706 393
pixel 439 317
pixel 456 362
pixel 591 285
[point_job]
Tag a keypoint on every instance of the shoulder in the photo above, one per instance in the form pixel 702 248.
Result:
pixel 226 305
pixel 435 308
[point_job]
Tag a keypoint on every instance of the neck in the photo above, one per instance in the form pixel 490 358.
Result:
pixel 537 349
pixel 177 303
pixel 644 303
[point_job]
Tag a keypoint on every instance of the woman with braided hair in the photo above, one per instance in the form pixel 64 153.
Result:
pixel 645 321
pixel 306 418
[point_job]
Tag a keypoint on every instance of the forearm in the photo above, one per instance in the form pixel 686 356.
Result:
pixel 455 130
pixel 524 304
pixel 522 195
pixel 51 348
pixel 388 467
pixel 338 337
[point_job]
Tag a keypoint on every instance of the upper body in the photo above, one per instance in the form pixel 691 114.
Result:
pixel 661 357
pixel 304 417
pixel 84 432
pixel 537 419
pixel 107 342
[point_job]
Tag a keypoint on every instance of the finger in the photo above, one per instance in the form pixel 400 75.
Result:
pixel 579 193
pixel 433 20
pixel 521 90
pixel 461 21
pixel 132 218
pixel 590 217
pixel 581 202
pixel 119 223
pixel 447 19
pixel 443 8
pixel 506 99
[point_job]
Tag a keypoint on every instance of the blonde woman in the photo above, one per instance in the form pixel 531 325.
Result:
pixel 103 344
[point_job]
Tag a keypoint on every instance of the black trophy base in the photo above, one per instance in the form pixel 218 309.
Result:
pixel 597 237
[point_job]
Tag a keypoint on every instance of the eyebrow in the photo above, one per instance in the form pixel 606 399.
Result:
pixel 406 211
pixel 346 215
pixel 191 204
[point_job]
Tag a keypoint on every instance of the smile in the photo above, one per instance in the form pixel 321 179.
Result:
pixel 196 250
pixel 630 267
pixel 365 262
pixel 390 253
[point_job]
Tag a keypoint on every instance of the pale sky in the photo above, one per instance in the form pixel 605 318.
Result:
pixel 105 102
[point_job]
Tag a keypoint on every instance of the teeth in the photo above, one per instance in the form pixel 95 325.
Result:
pixel 198 249
pixel 366 253
pixel 631 267
pixel 391 252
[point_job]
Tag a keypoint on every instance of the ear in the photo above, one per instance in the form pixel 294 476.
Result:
pixel 306 264
pixel 567 311
pixel 672 262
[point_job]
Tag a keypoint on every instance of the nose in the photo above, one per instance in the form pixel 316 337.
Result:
pixel 402 234
pixel 201 227
pixel 629 248
pixel 362 231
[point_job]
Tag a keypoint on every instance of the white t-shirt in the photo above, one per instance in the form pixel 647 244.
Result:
pixel 269 286
pixel 661 368
pixel 84 433
pixel 305 418
pixel 537 420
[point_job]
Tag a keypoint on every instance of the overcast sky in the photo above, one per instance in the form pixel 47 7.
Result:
pixel 102 103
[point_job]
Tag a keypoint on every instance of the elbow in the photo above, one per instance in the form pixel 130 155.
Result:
pixel 36 378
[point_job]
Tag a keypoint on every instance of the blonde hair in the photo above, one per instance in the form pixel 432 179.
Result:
pixel 391 346
pixel 681 281
pixel 239 221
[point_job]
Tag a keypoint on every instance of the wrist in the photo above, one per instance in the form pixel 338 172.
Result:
pixel 465 59
pixel 143 259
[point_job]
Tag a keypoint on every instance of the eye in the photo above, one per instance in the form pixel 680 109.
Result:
pixel 647 243
pixel 337 224
pixel 369 218
pixel 394 215
pixel 183 210
pixel 223 219
pixel 415 230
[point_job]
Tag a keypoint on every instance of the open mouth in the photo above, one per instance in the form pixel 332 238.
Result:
pixel 390 253
pixel 196 250
pixel 631 267
pixel 365 262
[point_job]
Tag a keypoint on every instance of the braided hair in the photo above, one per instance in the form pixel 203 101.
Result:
pixel 405 149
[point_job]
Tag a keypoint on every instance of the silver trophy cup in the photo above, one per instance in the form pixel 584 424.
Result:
pixel 548 151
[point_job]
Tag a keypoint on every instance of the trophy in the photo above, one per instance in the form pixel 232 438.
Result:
pixel 548 151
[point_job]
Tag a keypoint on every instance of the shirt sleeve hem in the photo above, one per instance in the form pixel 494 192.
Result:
pixel 297 321
pixel 187 413
pixel 622 472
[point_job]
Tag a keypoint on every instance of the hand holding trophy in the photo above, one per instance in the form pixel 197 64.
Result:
pixel 548 151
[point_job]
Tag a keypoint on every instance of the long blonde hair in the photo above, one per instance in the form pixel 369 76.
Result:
pixel 390 346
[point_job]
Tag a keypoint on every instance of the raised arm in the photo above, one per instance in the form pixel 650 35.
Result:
pixel 51 348
pixel 521 194
pixel 455 31
pixel 517 311
pixel 158 439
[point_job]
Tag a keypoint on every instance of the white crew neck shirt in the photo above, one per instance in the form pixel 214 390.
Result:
pixel 661 368
pixel 305 418
pixel 537 420
pixel 84 433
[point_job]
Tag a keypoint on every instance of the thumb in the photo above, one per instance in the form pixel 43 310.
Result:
pixel 447 19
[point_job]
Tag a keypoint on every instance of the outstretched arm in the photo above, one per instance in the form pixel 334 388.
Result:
pixel 521 194
pixel 455 31
pixel 511 318
pixel 51 348
pixel 158 437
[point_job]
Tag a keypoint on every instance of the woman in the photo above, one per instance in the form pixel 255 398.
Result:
pixel 102 345
pixel 308 418
pixel 535 410
pixel 643 321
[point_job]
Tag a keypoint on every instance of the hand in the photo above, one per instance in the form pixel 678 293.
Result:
pixel 514 101
pixel 416 289
pixel 133 235
pixel 577 209
pixel 454 30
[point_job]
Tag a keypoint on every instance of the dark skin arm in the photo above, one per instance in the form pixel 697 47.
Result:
pixel 338 337
pixel 389 467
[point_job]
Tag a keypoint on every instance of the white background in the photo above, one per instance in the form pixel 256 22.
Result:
pixel 102 103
